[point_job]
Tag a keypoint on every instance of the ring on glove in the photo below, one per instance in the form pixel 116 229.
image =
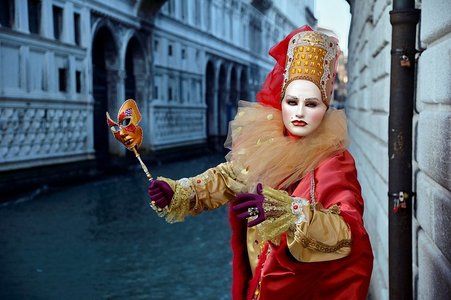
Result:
pixel 253 211
pixel 154 207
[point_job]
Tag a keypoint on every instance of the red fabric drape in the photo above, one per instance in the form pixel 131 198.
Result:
pixel 283 277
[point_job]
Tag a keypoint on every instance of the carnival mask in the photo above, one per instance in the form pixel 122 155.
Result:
pixel 126 130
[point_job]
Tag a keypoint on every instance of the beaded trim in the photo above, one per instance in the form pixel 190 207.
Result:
pixel 307 242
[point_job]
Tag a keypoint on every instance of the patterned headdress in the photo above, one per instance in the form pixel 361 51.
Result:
pixel 312 56
pixel 303 54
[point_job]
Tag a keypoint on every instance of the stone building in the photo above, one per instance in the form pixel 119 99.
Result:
pixel 368 110
pixel 63 64
pixel 208 55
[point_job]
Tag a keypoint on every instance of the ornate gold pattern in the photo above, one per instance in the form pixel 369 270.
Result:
pixel 312 56
pixel 179 206
pixel 279 217
pixel 307 242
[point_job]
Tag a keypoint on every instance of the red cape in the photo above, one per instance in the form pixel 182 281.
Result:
pixel 282 276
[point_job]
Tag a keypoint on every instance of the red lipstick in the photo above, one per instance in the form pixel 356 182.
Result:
pixel 298 123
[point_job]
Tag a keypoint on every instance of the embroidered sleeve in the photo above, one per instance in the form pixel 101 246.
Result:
pixel 209 190
pixel 313 233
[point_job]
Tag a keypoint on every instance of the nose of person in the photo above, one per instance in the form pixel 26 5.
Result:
pixel 300 110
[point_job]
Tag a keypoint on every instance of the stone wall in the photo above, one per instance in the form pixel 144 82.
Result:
pixel 368 109
pixel 432 152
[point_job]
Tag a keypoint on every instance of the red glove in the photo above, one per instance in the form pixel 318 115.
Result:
pixel 160 193
pixel 249 205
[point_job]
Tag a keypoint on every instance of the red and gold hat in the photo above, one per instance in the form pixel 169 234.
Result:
pixel 312 55
pixel 303 54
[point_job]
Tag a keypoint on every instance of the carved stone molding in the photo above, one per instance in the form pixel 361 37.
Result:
pixel 34 133
pixel 175 124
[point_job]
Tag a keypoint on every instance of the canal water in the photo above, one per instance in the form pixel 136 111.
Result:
pixel 101 240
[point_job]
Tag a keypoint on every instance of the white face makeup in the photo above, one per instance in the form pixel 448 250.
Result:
pixel 302 107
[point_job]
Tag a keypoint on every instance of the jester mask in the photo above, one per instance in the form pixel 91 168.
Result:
pixel 126 130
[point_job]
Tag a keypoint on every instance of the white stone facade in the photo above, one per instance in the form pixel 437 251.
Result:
pixel 368 109
pixel 208 54
pixel 64 63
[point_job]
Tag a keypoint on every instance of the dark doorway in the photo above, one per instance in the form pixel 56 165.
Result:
pixel 130 81
pixel 103 50
pixel 244 88
pixel 232 104
pixel 223 99
pixel 210 101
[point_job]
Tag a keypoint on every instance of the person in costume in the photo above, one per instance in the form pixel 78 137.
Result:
pixel 295 201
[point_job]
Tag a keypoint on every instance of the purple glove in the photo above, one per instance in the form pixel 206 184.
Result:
pixel 249 205
pixel 160 193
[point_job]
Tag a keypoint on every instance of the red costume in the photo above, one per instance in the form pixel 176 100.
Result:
pixel 310 242
pixel 280 276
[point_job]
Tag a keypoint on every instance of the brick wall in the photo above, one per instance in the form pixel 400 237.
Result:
pixel 368 108
pixel 432 155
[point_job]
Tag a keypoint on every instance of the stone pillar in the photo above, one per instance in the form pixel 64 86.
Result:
pixel 224 103
pixel 46 19
pixel 21 16
pixel 68 23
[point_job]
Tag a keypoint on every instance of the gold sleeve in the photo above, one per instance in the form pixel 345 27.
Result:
pixel 209 190
pixel 313 233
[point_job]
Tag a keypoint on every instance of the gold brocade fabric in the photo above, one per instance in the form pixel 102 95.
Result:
pixel 179 205
pixel 323 236
pixel 279 218
pixel 209 190
pixel 261 153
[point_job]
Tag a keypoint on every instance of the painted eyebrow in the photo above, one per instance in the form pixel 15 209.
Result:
pixel 306 99
pixel 311 99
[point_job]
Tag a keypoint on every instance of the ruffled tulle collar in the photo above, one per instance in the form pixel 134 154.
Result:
pixel 262 153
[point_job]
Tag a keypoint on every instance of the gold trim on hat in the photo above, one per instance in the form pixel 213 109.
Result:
pixel 311 55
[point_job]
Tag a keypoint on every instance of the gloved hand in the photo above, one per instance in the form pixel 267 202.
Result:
pixel 249 205
pixel 160 193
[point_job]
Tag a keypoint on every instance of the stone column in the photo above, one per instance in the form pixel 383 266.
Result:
pixel 46 19
pixel 68 23
pixel 21 16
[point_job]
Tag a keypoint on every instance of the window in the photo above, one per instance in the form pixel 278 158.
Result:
pixel 155 92
pixel 170 50
pixel 34 16
pixel 184 10
pixel 171 7
pixel 57 22
pixel 183 53
pixel 78 82
pixel 62 79
pixel 7 13
pixel 169 93
pixel 77 36
pixel 196 13
pixel 156 45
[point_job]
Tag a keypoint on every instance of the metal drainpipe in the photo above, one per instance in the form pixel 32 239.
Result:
pixel 403 18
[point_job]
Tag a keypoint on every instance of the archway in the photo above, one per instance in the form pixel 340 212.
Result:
pixel 135 70
pixel 104 55
pixel 136 83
